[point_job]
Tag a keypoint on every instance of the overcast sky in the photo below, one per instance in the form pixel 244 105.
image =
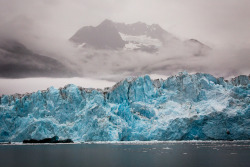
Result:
pixel 45 24
pixel 216 22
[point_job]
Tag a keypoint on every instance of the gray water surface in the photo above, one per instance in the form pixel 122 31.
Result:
pixel 145 154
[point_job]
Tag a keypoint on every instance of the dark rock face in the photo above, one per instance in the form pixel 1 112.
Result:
pixel 199 48
pixel 54 139
pixel 139 28
pixel 17 61
pixel 104 36
pixel 137 36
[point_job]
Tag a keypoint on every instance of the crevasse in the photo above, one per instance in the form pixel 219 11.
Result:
pixel 182 107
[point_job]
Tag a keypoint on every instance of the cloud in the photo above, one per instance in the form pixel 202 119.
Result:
pixel 45 26
pixel 221 22
pixel 115 65
pixel 12 86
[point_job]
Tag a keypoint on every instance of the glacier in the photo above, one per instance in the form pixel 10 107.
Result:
pixel 182 107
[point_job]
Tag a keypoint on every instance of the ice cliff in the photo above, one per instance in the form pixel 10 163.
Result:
pixel 182 107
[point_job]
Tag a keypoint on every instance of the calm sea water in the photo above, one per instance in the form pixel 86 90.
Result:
pixel 145 154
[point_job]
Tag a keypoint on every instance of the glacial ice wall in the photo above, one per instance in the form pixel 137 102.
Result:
pixel 182 107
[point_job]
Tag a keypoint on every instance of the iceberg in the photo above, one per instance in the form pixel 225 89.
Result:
pixel 182 107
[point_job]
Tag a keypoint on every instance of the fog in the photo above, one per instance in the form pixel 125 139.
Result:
pixel 44 26
pixel 28 85
pixel 220 23
pixel 116 65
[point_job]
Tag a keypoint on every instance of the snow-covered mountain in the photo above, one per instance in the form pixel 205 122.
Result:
pixel 136 36
pixel 182 107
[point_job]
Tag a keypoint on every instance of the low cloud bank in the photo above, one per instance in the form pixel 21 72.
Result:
pixel 30 27
pixel 28 85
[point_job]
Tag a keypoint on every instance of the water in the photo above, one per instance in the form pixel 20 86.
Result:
pixel 146 154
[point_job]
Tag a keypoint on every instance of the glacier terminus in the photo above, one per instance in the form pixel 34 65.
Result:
pixel 182 107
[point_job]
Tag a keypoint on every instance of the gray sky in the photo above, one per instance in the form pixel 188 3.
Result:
pixel 12 86
pixel 46 25
pixel 218 23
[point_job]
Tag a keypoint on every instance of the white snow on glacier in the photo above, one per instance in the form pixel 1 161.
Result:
pixel 135 42
pixel 182 107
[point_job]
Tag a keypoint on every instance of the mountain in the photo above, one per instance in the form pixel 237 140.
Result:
pixel 182 107
pixel 136 36
pixel 104 36
pixel 17 61
pixel 199 48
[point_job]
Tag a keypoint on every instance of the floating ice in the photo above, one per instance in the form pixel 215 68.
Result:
pixel 166 148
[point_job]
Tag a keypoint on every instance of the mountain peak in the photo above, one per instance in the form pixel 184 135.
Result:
pixel 137 36
pixel 106 22
pixel 103 36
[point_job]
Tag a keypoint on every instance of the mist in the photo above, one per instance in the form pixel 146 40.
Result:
pixel 45 27
pixel 29 85
pixel 115 65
